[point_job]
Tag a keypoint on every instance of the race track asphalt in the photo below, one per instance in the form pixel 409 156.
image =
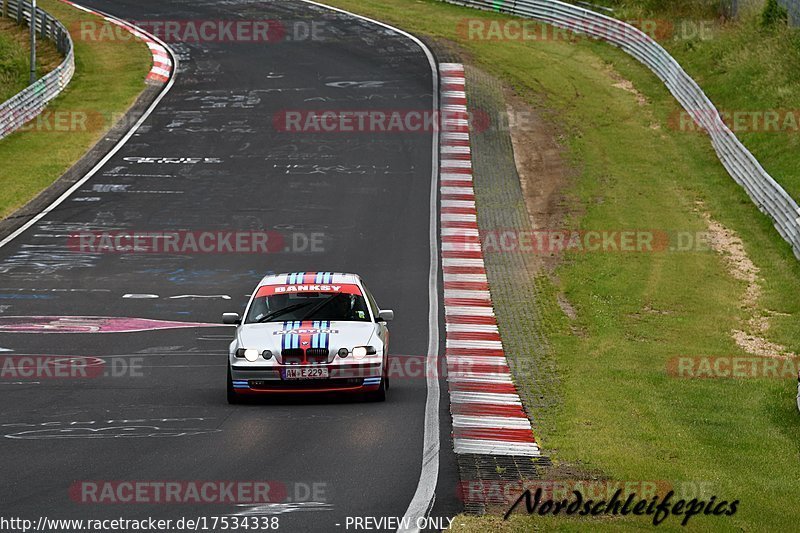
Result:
pixel 362 198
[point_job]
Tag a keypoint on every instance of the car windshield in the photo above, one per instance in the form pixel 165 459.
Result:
pixel 308 306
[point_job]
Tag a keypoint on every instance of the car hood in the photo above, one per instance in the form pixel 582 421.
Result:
pixel 332 335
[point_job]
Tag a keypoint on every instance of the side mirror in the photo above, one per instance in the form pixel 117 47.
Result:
pixel 386 316
pixel 231 319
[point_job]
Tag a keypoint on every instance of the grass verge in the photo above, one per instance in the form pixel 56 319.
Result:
pixel 15 58
pixel 749 71
pixel 109 77
pixel 624 416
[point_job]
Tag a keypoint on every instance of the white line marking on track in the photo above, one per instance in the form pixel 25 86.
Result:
pixel 459 203
pixel 481 328
pixel 456 149
pixel 458 190
pixel 470 311
pixel 481 278
pixel 200 296
pixel 281 508
pixel 461 246
pixel 449 217
pixel 497 360
pixel 485 397
pixel 491 447
pixel 476 295
pixel 461 261
pixel 500 422
pixel 425 495
pixel 449 176
pixel 490 345
pixel 456 163
pixel 479 377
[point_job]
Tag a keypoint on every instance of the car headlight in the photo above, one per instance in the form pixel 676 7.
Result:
pixel 360 352
pixel 250 354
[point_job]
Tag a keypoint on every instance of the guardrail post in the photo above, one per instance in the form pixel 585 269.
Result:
pixel 5 8
pixel 33 41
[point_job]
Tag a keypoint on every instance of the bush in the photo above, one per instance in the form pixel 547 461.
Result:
pixel 774 14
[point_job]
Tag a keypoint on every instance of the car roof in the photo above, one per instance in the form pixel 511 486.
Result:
pixel 298 278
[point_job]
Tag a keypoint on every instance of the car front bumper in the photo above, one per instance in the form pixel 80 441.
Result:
pixel 353 378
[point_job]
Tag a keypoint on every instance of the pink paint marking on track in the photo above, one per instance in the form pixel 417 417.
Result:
pixel 90 324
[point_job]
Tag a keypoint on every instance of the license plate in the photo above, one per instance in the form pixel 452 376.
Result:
pixel 305 373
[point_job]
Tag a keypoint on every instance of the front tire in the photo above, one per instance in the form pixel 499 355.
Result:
pixel 380 394
pixel 233 398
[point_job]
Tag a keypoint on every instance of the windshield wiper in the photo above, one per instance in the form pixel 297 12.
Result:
pixel 319 306
pixel 279 312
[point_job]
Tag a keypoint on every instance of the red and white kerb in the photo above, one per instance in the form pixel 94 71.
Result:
pixel 488 417
pixel 162 62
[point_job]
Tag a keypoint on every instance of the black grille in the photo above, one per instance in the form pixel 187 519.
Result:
pixel 292 356
pixel 317 355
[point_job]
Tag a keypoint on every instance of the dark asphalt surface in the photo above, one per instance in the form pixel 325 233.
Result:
pixel 366 196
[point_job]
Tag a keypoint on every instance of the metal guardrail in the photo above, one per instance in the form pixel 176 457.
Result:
pixel 793 9
pixel 743 167
pixel 27 104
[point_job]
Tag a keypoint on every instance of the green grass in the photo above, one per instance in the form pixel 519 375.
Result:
pixel 743 68
pixel 110 76
pixel 623 416
pixel 15 58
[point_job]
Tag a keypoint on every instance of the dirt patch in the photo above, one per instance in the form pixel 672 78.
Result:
pixel 626 85
pixel 542 166
pixel 725 242
pixel 566 307
pixel 544 175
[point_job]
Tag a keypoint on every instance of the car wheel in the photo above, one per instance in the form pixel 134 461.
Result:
pixel 233 398
pixel 380 394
